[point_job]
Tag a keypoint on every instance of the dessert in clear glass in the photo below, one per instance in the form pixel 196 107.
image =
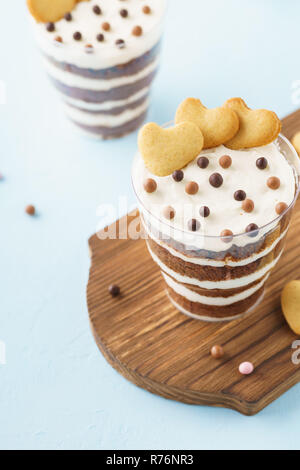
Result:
pixel 217 227
pixel 102 57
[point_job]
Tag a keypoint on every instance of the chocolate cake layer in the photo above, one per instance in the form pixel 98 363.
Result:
pixel 113 132
pixel 114 94
pixel 122 70
pixel 213 311
pixel 213 273
pixel 114 111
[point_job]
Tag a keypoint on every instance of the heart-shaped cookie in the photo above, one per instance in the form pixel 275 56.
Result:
pixel 45 11
pixel 296 142
pixel 257 127
pixel 167 150
pixel 217 125
pixel 290 303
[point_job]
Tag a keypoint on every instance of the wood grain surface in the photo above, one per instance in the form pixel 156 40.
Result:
pixel 161 350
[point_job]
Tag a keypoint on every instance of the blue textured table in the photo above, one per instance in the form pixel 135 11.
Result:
pixel 56 390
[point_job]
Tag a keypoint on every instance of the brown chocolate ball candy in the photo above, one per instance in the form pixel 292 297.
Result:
pixel 226 236
pixel 114 290
pixel 137 31
pixel 216 180
pixel 192 188
pixel 30 210
pixel 105 26
pixel 97 10
pixel 100 37
pixel 261 163
pixel 124 13
pixel 68 16
pixel 248 205
pixel 225 161
pixel 169 212
pixel 217 351
pixel 178 175
pixel 203 162
pixel 150 185
pixel 240 195
pixel 50 27
pixel 273 182
pixel 194 225
pixel 120 43
pixel 252 229
pixel 281 207
pixel 77 36
pixel 146 10
pixel 204 211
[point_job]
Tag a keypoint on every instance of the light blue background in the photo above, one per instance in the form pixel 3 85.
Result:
pixel 56 389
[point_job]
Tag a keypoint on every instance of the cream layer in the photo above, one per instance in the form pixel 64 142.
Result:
pixel 192 296
pixel 73 80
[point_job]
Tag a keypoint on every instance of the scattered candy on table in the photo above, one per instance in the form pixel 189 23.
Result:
pixel 246 368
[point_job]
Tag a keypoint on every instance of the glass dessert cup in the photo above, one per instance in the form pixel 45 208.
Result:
pixel 211 278
pixel 104 86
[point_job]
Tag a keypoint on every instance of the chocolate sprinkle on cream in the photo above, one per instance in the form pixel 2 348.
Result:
pixel 273 182
pixel 120 43
pixel 169 213
pixel 137 31
pixel 106 26
pixel 97 10
pixel 281 207
pixel 252 229
pixel 194 225
pixel 50 27
pixel 68 16
pixel 203 162
pixel 77 36
pixel 204 211
pixel 261 163
pixel 216 180
pixel 240 195
pixel 178 175
pixel 100 37
pixel 150 185
pixel 225 161
pixel 146 10
pixel 226 236
pixel 248 205
pixel 191 188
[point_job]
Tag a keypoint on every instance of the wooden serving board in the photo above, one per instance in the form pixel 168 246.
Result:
pixel 154 346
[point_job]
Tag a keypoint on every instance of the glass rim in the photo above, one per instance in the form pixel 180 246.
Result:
pixel 238 235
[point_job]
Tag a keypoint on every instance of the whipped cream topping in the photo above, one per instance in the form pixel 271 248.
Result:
pixel 105 53
pixel 225 211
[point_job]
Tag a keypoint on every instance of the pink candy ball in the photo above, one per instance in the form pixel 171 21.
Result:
pixel 246 368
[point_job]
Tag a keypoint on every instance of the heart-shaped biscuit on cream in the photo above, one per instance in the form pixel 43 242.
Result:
pixel 167 150
pixel 45 11
pixel 290 303
pixel 296 142
pixel 257 127
pixel 217 125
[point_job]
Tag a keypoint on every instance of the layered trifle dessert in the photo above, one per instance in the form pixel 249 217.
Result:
pixel 102 56
pixel 216 217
